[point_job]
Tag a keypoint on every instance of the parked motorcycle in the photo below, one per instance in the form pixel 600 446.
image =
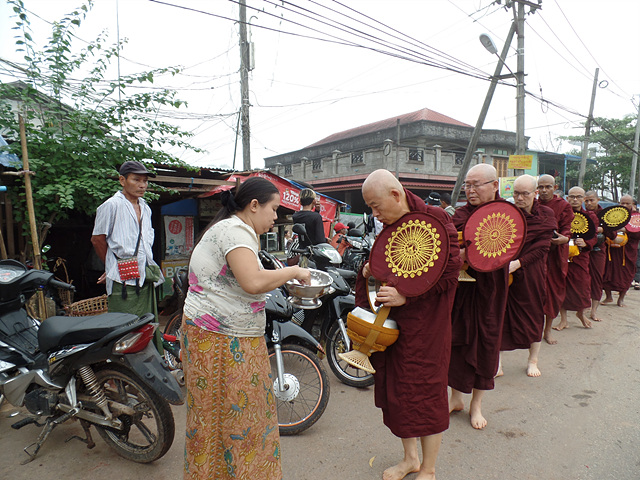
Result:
pixel 301 383
pixel 357 252
pixel 328 322
pixel 102 370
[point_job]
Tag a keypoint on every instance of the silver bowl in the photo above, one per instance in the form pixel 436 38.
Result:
pixel 306 295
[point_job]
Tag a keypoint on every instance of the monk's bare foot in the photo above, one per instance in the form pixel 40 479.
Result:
pixel 549 339
pixel 606 301
pixel 561 326
pixel 596 319
pixel 455 406
pixel 532 370
pixel 398 472
pixel 585 321
pixel 426 476
pixel 477 420
pixel 621 303
pixel 500 373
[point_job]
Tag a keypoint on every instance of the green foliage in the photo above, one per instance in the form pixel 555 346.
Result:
pixel 79 126
pixel 612 173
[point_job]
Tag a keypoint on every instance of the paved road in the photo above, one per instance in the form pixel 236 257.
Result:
pixel 579 421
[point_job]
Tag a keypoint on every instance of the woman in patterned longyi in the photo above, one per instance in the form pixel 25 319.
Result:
pixel 232 425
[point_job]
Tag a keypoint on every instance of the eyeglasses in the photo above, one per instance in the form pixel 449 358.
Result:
pixel 574 197
pixel 521 194
pixel 472 186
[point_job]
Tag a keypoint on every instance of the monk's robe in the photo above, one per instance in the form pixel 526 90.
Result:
pixel 621 264
pixel 558 259
pixel 597 259
pixel 578 295
pixel 476 323
pixel 524 317
pixel 411 374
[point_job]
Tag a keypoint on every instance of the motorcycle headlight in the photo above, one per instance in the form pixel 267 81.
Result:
pixel 355 242
pixel 331 253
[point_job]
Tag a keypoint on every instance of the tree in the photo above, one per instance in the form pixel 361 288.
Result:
pixel 614 140
pixel 81 127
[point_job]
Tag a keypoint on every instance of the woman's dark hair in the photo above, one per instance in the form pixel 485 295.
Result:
pixel 257 188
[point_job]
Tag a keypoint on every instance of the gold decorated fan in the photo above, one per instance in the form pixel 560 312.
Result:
pixel 582 226
pixel 614 217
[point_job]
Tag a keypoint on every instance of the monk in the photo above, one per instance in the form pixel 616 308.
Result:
pixel 524 317
pixel 411 375
pixel 597 256
pixel 478 311
pixel 578 295
pixel 558 258
pixel 621 261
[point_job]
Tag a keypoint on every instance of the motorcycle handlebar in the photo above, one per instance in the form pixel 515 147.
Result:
pixel 58 284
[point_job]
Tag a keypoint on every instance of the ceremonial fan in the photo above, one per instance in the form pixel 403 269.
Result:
pixel 581 227
pixel 634 223
pixel 410 255
pixel 614 217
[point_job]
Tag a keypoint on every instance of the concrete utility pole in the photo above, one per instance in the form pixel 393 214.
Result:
pixel 587 131
pixel 483 114
pixel 520 140
pixel 244 87
pixel 634 161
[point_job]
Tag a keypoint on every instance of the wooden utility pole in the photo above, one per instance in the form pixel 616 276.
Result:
pixel 397 148
pixel 244 87
pixel 634 161
pixel 587 132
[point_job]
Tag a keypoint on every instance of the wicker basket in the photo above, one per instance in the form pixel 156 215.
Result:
pixel 90 306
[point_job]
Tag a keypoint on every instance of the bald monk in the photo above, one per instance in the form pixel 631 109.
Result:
pixel 411 375
pixel 597 256
pixel 621 261
pixel 578 297
pixel 478 311
pixel 524 317
pixel 558 258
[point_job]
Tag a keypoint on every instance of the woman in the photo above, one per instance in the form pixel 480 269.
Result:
pixel 232 426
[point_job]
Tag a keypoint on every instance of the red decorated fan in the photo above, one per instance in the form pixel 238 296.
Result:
pixel 411 254
pixel 494 235
pixel 634 223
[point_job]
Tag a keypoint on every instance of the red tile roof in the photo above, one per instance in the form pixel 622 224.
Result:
pixel 424 114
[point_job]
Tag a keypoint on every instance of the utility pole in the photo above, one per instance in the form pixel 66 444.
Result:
pixel 397 147
pixel 520 140
pixel 587 132
pixel 634 161
pixel 244 87
pixel 483 114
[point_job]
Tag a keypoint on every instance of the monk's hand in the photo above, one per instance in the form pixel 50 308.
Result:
pixel 390 297
pixel 102 278
pixel 514 265
pixel 559 240
pixel 463 254
pixel 366 272
pixel 580 242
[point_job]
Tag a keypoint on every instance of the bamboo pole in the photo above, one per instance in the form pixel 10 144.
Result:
pixel 37 259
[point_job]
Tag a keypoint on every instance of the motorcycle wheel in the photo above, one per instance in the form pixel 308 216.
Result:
pixel 148 434
pixel 347 374
pixel 306 393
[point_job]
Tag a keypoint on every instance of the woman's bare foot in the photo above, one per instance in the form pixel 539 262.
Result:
pixel 532 370
pixel 585 321
pixel 561 326
pixel 398 472
pixel 549 339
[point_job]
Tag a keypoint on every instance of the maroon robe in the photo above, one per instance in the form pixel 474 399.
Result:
pixel 621 264
pixel 411 374
pixel 476 322
pixel 597 259
pixel 558 259
pixel 524 317
pixel 578 295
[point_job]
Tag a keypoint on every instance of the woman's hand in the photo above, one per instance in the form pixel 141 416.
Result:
pixel 390 297
pixel 303 275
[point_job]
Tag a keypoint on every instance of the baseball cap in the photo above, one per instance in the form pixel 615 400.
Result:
pixel 132 166
pixel 339 226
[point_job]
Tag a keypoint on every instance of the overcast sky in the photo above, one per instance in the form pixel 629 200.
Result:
pixel 305 89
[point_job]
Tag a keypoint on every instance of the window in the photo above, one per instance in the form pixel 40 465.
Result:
pixel 459 159
pixel 501 152
pixel 357 157
pixel 501 166
pixel 287 169
pixel 416 155
pixel 317 165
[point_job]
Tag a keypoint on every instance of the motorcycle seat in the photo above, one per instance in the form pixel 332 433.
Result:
pixel 56 332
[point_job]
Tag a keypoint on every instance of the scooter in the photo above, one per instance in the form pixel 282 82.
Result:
pixel 102 370
pixel 327 323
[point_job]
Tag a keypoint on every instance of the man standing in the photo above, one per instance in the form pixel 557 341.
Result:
pixel 123 238
pixel 524 317
pixel 597 256
pixel 558 258
pixel 411 374
pixel 478 311
pixel 310 218
pixel 445 203
pixel 621 261
pixel 578 297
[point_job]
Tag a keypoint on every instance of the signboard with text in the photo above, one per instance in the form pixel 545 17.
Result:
pixel 520 162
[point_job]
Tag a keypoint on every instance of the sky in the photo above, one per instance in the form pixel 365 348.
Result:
pixel 310 81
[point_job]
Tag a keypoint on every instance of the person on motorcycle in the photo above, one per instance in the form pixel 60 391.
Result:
pixel 232 424
pixel 338 242
pixel 310 219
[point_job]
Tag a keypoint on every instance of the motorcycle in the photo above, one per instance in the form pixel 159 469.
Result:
pixel 102 370
pixel 301 383
pixel 327 323
pixel 357 252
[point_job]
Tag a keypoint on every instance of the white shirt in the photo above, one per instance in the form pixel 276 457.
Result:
pixel 117 219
